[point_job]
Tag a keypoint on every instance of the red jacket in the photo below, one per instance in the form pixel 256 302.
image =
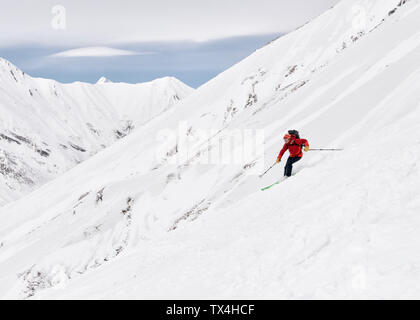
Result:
pixel 295 148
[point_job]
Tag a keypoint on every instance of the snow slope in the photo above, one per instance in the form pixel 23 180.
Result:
pixel 144 219
pixel 47 127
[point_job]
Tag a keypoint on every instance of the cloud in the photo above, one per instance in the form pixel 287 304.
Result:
pixel 97 52
pixel 116 23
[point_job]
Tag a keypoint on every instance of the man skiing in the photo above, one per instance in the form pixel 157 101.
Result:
pixel 293 143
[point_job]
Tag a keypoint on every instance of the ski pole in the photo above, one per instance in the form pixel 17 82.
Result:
pixel 268 170
pixel 326 149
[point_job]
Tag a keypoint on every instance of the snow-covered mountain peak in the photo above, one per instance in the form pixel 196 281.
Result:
pixel 9 72
pixel 103 80
pixel 47 127
pixel 4 62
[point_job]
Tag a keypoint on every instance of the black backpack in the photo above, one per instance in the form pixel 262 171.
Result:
pixel 294 133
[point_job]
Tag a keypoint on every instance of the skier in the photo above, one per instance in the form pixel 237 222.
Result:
pixel 292 142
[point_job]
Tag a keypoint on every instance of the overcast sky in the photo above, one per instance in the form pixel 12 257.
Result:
pixel 39 35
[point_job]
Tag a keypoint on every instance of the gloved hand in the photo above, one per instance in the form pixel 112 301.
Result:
pixel 278 160
pixel 306 148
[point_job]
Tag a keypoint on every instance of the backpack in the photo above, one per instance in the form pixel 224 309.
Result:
pixel 294 133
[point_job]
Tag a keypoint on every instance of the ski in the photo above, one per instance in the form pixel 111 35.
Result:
pixel 269 187
pixel 278 182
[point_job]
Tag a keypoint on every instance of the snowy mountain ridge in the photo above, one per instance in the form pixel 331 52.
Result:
pixel 132 222
pixel 47 127
pixel 103 80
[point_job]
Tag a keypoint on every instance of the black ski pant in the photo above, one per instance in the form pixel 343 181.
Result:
pixel 289 166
